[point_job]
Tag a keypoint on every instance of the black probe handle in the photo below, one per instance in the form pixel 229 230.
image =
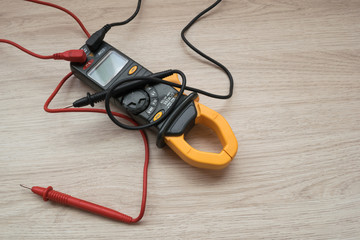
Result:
pixel 91 99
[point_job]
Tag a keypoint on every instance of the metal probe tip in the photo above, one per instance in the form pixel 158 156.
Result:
pixel 21 185
pixel 70 106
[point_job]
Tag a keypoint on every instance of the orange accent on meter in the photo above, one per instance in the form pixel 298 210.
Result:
pixel 132 70
pixel 157 116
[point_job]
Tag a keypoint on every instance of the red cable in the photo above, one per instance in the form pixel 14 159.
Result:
pixel 72 55
pixel 65 10
pixel 48 193
pixel 77 55
pixel 26 50
pixel 146 163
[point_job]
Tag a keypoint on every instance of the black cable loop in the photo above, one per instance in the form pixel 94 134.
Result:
pixel 186 28
pixel 158 80
pixel 149 80
pixel 227 72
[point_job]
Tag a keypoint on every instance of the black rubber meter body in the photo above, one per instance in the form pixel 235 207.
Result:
pixel 146 103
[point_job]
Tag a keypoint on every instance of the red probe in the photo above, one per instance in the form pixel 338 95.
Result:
pixel 49 194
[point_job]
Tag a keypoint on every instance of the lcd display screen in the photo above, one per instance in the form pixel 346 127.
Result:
pixel 108 67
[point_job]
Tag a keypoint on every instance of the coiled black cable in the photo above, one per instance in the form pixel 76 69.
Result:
pixel 96 39
pixel 149 79
pixel 227 72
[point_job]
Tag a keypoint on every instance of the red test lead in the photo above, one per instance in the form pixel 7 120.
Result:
pixel 76 55
pixel 49 194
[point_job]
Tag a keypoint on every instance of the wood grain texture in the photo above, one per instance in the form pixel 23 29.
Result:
pixel 295 112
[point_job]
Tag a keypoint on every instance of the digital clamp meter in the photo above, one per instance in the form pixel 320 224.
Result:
pixel 147 103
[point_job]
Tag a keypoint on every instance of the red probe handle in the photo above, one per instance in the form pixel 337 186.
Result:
pixel 49 194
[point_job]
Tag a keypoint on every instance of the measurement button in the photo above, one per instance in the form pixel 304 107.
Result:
pixel 132 70
pixel 158 115
pixel 154 102
pixel 150 110
pixel 152 93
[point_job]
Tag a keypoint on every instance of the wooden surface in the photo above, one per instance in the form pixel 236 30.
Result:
pixel 295 113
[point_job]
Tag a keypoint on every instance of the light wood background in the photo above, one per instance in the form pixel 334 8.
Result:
pixel 295 113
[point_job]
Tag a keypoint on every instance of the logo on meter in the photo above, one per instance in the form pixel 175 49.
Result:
pixel 88 64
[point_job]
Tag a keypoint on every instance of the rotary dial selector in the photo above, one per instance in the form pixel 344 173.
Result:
pixel 136 101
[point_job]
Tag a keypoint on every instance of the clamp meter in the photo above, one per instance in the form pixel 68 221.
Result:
pixel 106 66
pixel 147 103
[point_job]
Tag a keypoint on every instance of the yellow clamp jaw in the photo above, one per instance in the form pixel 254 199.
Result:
pixel 219 125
